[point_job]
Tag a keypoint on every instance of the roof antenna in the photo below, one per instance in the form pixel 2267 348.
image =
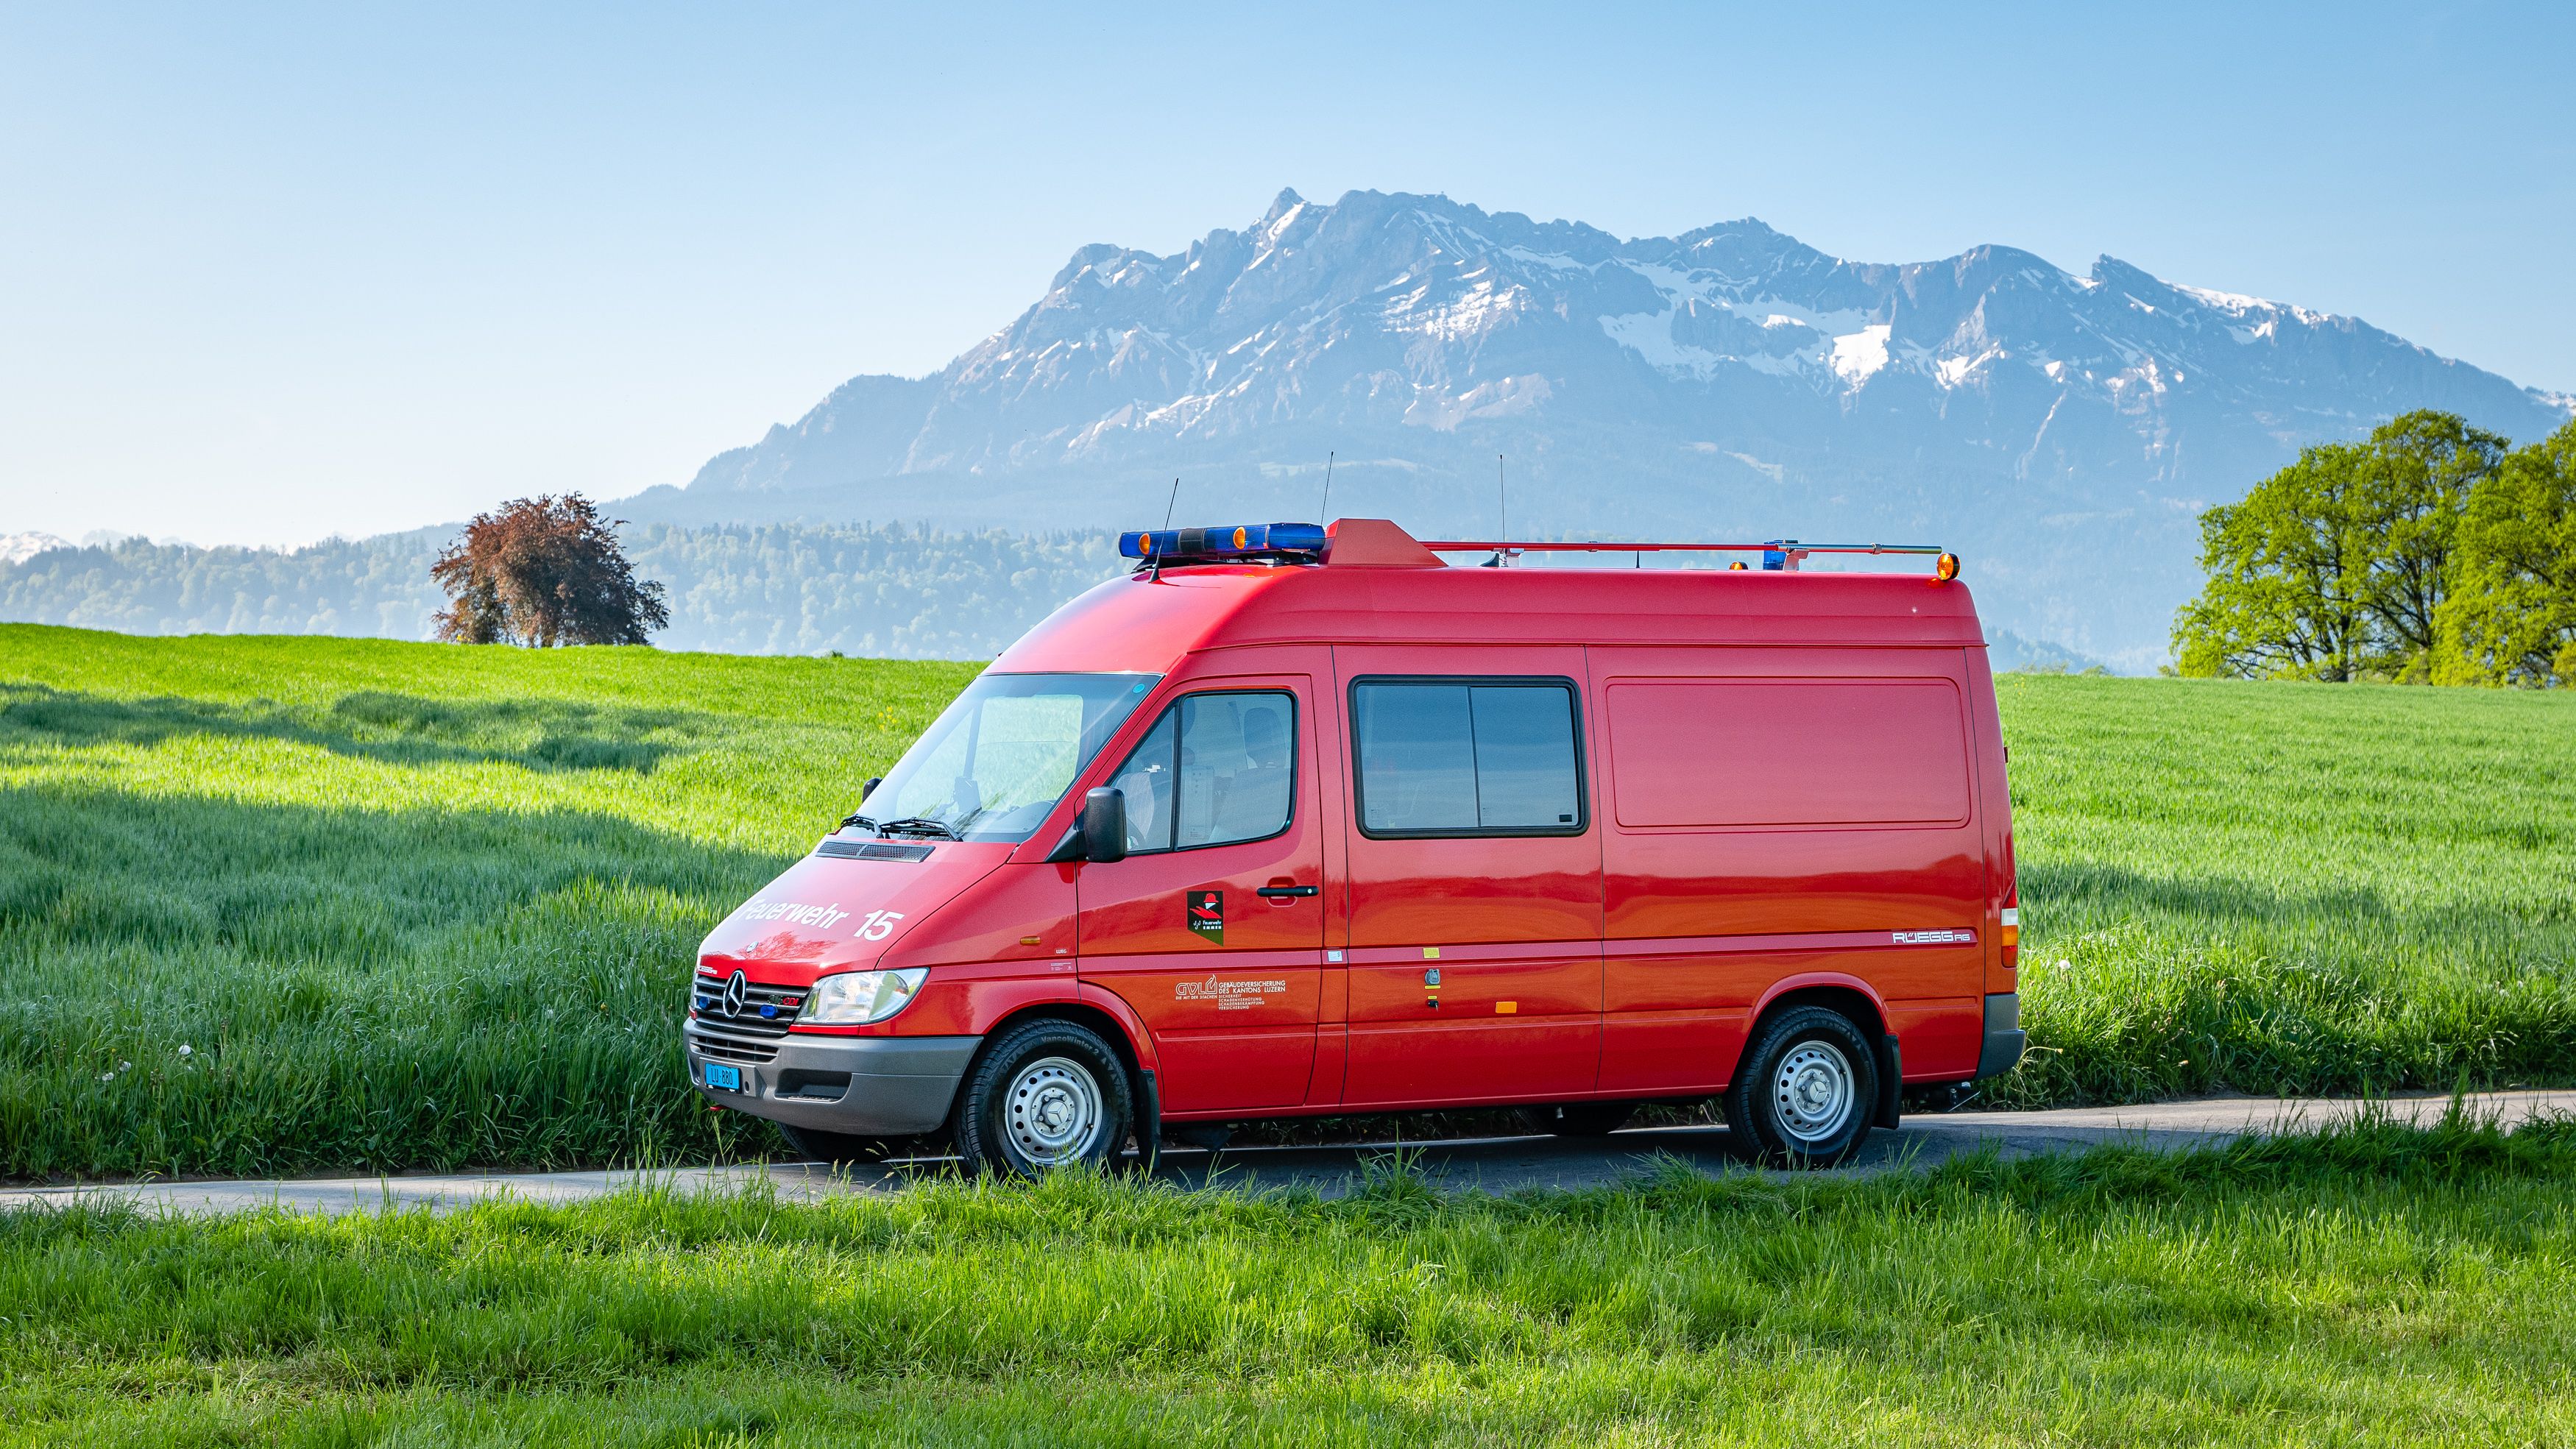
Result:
pixel 1154 564
pixel 1325 513
pixel 1504 498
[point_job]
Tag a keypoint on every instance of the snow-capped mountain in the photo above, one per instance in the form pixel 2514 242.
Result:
pixel 2062 431
pixel 20 547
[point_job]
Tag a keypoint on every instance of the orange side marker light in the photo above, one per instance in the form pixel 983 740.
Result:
pixel 1946 567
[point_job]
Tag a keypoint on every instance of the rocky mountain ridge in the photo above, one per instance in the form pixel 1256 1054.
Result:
pixel 2063 431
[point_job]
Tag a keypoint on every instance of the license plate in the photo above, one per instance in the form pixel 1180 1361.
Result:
pixel 722 1077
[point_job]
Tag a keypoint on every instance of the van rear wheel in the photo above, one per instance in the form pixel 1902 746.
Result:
pixel 1804 1092
pixel 1047 1094
pixel 1579 1119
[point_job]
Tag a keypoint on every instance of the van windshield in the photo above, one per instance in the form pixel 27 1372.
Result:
pixel 1000 757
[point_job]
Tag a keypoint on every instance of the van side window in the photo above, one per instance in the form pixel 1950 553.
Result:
pixel 1467 757
pixel 1216 769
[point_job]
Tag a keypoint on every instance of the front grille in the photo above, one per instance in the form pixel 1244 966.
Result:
pixel 746 1036
pixel 728 1047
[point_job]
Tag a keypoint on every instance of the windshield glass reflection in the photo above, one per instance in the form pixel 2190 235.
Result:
pixel 1000 757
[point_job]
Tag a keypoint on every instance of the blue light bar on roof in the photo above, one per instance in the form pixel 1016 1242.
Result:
pixel 1242 540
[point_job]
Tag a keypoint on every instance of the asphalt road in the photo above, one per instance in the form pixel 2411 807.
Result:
pixel 1492 1164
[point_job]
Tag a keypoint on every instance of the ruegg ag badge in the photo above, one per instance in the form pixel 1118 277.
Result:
pixel 1207 914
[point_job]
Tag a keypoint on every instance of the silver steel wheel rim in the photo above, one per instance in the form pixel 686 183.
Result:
pixel 1053 1111
pixel 1814 1091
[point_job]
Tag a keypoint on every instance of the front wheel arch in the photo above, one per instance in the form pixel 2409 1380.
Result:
pixel 1080 1013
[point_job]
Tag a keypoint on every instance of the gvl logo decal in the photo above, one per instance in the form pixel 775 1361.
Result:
pixel 1228 995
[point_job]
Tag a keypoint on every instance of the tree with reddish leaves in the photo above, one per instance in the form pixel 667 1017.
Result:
pixel 544 571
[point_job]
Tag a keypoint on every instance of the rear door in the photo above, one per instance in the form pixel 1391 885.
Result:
pixel 1212 927
pixel 1474 877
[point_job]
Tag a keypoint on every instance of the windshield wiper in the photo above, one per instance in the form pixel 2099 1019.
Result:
pixel 849 820
pixel 922 824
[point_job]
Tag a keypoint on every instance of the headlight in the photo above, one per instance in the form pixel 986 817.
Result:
pixel 855 998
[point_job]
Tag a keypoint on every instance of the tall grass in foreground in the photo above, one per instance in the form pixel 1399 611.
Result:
pixel 414 906
pixel 2373 1285
pixel 297 905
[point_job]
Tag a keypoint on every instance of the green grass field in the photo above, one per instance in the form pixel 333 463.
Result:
pixel 2370 1287
pixel 413 906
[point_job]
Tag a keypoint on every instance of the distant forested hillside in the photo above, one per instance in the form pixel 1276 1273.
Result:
pixel 889 592
pixel 885 592
pixel 374 588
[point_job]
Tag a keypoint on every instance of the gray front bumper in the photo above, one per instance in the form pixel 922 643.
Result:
pixel 873 1086
pixel 2004 1036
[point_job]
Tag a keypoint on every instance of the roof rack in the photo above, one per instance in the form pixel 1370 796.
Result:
pixel 1383 543
pixel 1777 554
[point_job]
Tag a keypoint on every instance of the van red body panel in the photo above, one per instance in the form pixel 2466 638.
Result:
pixel 1020 914
pixel 819 914
pixel 1139 1039
pixel 1782 782
pixel 954 1003
pixel 1784 815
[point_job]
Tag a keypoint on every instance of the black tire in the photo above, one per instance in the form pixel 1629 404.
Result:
pixel 1579 1119
pixel 1040 1083
pixel 1805 1090
pixel 840 1149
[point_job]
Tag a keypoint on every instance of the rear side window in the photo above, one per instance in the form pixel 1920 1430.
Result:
pixel 1788 752
pixel 1467 757
pixel 1216 769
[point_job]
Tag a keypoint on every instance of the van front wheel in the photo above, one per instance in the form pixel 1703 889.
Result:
pixel 1804 1091
pixel 1048 1094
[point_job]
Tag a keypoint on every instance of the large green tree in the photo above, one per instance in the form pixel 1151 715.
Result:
pixel 2336 567
pixel 2511 616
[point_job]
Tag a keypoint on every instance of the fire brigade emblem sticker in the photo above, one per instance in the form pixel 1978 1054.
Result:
pixel 1207 914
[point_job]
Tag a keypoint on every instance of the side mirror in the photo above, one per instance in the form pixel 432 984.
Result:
pixel 1104 824
pixel 870 787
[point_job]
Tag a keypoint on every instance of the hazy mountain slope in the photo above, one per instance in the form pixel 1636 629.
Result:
pixel 887 592
pixel 2061 430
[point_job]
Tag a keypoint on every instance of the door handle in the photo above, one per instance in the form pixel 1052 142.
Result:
pixel 1284 892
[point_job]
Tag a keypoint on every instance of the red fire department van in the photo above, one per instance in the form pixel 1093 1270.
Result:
pixel 1304 821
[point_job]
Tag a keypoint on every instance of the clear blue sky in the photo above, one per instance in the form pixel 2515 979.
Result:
pixel 270 276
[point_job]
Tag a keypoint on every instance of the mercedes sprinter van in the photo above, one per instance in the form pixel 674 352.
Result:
pixel 1305 821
